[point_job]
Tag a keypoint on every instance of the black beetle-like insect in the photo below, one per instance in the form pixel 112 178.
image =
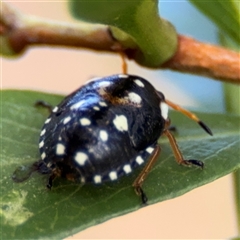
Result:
pixel 105 129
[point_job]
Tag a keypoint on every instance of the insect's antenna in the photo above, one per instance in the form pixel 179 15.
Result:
pixel 190 115
pixel 124 63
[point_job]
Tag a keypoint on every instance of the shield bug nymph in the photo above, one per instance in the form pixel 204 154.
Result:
pixel 107 128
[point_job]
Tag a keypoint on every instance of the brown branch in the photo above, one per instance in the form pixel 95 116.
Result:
pixel 23 31
pixel 200 58
pixel 191 56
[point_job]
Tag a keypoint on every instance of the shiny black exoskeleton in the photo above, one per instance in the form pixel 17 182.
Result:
pixel 104 129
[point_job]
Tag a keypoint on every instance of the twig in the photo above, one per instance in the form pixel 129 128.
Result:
pixel 21 31
pixel 200 58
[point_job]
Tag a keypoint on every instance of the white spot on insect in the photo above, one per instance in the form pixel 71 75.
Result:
pixel 43 155
pixel 121 123
pixel 104 84
pixel 83 180
pixel 41 144
pixel 127 168
pixel 101 92
pixel 77 105
pixel 96 108
pixel 103 135
pixel 97 179
pixel 139 83
pixel 66 120
pixel 123 76
pixel 164 110
pixel 43 132
pixel 55 109
pixel 135 98
pixel 81 158
pixel 103 104
pixel 48 120
pixel 85 121
pixel 60 149
pixel 113 175
pixel 49 164
pixel 149 150
pixel 139 160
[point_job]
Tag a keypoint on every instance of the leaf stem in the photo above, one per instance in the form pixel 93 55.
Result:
pixel 232 102
pixel 232 99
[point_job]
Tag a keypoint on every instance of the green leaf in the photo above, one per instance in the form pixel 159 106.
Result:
pixel 30 211
pixel 236 238
pixel 134 23
pixel 232 103
pixel 225 14
pixel 227 42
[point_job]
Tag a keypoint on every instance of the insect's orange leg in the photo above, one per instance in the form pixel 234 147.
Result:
pixel 190 115
pixel 176 151
pixel 137 184
pixel 124 63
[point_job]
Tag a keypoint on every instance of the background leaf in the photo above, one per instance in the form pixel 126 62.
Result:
pixel 29 211
pixel 133 23
pixel 225 14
